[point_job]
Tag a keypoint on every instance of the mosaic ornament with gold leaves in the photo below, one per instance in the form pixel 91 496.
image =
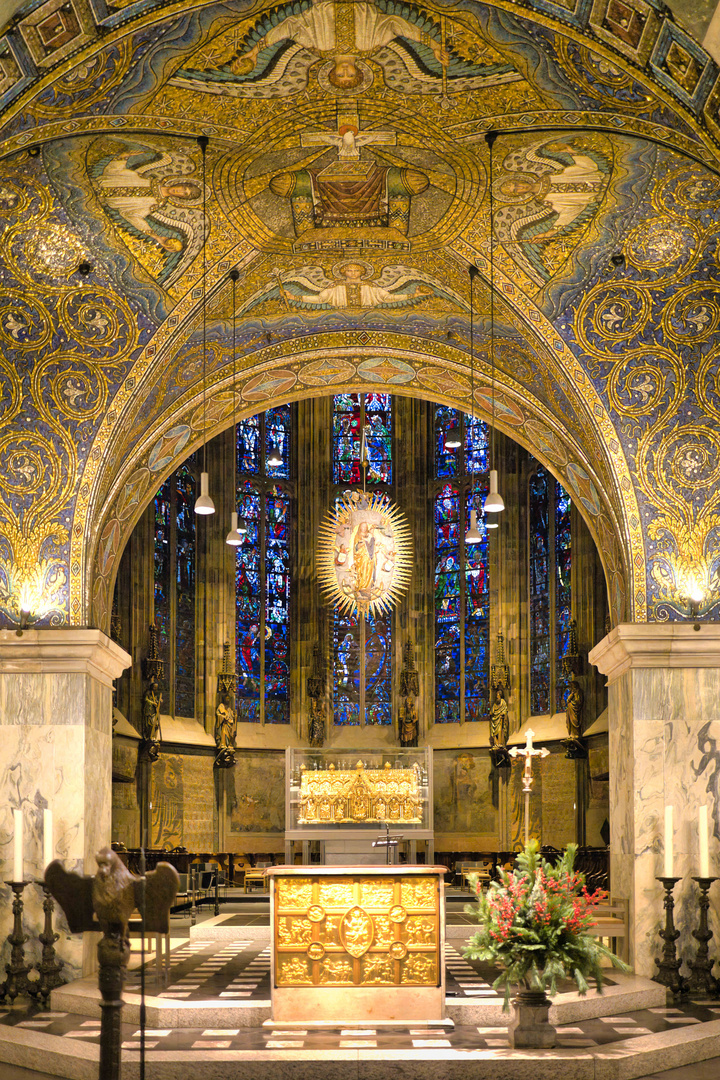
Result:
pixel 365 554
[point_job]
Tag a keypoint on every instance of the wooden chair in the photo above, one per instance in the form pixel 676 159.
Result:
pixel 612 923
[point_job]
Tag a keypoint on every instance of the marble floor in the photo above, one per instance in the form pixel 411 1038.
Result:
pixel 237 973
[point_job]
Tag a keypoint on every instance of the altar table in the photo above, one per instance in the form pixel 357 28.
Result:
pixel 357 944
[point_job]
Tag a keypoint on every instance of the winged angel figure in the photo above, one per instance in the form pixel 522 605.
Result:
pixel 351 286
pixel 153 195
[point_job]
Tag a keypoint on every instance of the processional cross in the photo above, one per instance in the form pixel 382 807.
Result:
pixel 528 751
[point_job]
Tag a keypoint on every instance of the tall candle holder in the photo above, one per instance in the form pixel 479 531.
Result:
pixel 702 981
pixel 17 981
pixel 193 905
pixel 668 973
pixel 49 967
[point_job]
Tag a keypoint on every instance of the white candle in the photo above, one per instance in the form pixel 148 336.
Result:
pixel 18 851
pixel 668 842
pixel 48 849
pixel 703 841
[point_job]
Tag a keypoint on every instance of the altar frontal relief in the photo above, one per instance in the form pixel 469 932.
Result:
pixel 365 554
pixel 357 931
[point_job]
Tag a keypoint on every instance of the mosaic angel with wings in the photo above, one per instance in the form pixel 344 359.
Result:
pixel 155 195
pixel 352 286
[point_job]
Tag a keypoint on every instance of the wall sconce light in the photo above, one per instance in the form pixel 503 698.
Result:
pixel 25 616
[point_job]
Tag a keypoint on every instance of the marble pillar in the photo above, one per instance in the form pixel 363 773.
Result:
pixel 56 752
pixel 664 749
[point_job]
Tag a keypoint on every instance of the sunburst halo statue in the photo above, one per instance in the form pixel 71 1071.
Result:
pixel 365 553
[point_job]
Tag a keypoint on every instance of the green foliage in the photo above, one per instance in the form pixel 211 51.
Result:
pixel 534 925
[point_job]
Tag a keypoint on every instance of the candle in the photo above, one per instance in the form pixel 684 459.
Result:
pixel 668 842
pixel 703 841
pixel 18 852
pixel 48 850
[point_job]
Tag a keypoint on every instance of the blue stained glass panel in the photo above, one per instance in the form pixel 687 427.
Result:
pixel 446 461
pixel 162 583
pixel 277 608
pixel 378 423
pixel 248 446
pixel 346 671
pixel 277 435
pixel 185 582
pixel 378 670
pixel 539 594
pixel 476 445
pixel 563 594
pixel 447 605
pixel 248 587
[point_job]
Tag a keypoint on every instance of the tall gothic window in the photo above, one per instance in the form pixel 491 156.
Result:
pixel 362 667
pixel 174 588
pixel 550 597
pixel 461 571
pixel 262 569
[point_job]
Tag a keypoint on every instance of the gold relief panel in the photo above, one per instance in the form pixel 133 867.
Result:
pixel 293 971
pixel 292 931
pixel 377 893
pixel 333 894
pixel 334 970
pixel 421 893
pixel 367 938
pixel 293 892
pixel 378 969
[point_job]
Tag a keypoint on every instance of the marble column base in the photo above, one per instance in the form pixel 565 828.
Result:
pixel 664 749
pixel 55 752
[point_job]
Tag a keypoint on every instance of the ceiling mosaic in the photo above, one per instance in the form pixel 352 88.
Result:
pixel 348 178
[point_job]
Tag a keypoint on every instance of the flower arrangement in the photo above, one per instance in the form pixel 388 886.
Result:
pixel 534 923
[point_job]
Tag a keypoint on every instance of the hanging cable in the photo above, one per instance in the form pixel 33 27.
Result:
pixel 204 504
pixel 493 502
pixel 238 526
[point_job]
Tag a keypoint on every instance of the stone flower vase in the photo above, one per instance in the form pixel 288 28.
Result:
pixel 530 1027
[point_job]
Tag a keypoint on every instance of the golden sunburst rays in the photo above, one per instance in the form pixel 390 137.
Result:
pixel 364 554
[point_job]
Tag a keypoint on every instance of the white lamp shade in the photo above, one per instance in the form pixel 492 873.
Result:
pixel 233 538
pixel 493 501
pixel 452 438
pixel 274 458
pixel 241 526
pixel 491 521
pixel 473 535
pixel 204 505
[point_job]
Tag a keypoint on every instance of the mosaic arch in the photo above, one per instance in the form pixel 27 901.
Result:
pixel 347 177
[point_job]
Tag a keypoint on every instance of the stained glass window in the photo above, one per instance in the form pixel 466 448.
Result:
pixel 262 569
pixel 550 594
pixel 539 595
pixel 461 571
pixel 563 598
pixel 352 413
pixel 174 588
pixel 362 690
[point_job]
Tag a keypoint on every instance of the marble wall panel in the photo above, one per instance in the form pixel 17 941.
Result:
pixel 55 752
pixel 664 749
pixel 598 797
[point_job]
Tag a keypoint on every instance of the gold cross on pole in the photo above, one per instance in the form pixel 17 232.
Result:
pixel 528 752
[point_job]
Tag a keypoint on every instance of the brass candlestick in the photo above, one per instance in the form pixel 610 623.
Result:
pixel 49 967
pixel 702 981
pixel 17 981
pixel 668 973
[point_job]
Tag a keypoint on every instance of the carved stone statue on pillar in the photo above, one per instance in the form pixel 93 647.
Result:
pixel 225 716
pixel 316 704
pixel 409 690
pixel 574 704
pixel 499 713
pixel 154 668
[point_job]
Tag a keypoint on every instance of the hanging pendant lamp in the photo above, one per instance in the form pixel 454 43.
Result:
pixel 234 538
pixel 452 438
pixel 204 505
pixel 493 501
pixel 473 535
pixel 274 458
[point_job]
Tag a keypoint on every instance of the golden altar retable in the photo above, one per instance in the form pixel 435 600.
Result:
pixel 374 937
pixel 332 796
